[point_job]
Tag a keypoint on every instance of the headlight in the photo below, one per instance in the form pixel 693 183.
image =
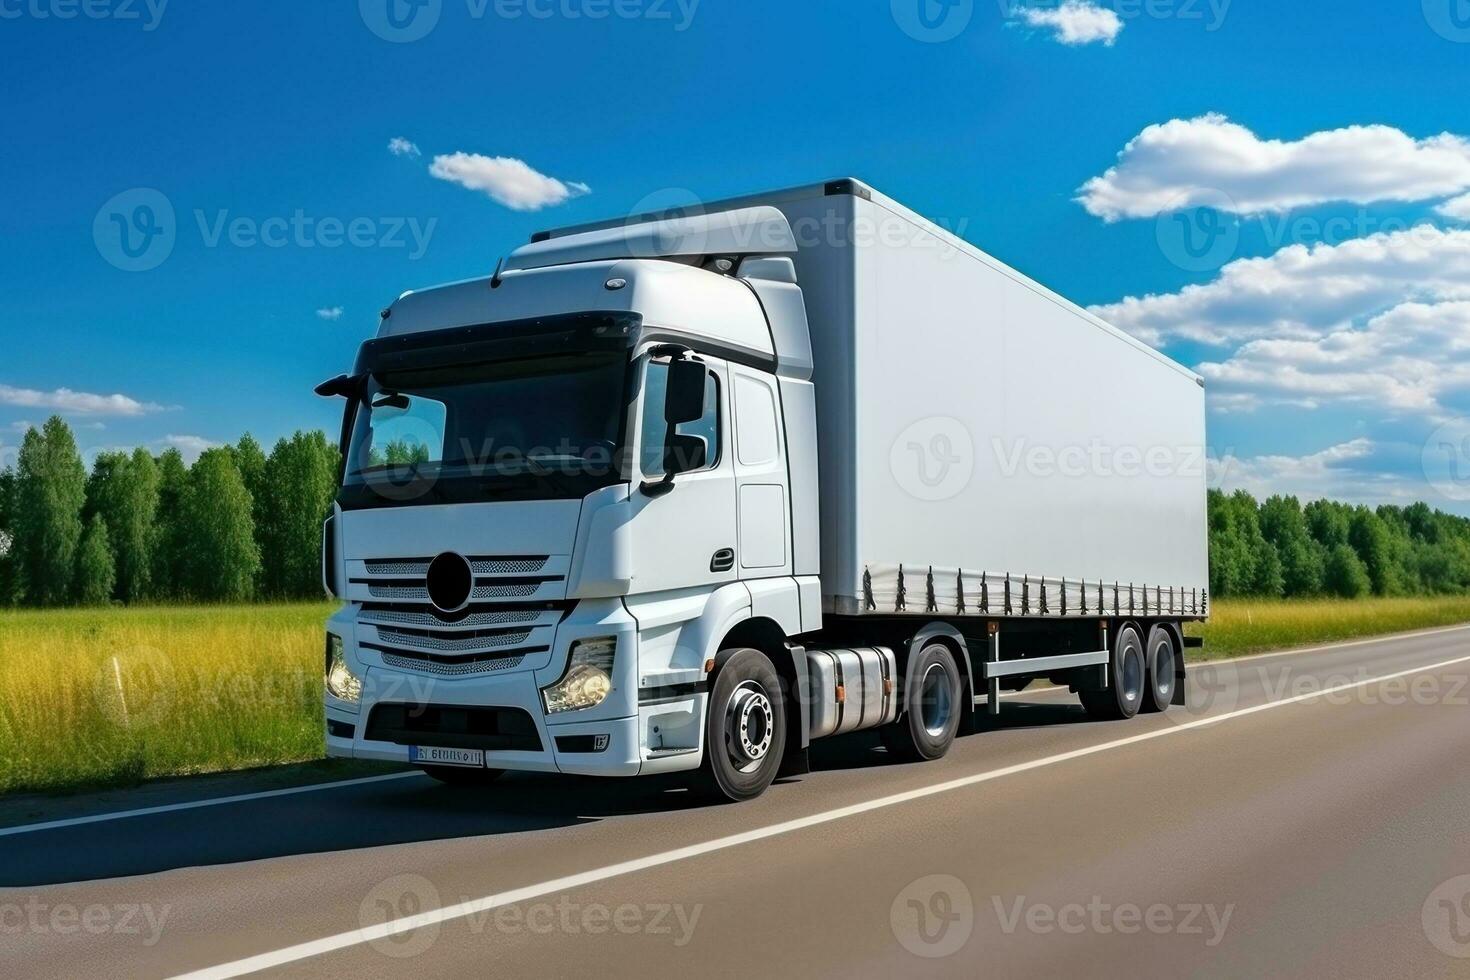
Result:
pixel 342 683
pixel 588 679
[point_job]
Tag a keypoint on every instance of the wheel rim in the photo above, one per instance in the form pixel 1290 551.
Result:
pixel 1132 679
pixel 750 724
pixel 936 707
pixel 1164 668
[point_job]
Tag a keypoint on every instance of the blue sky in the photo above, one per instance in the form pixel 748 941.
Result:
pixel 271 110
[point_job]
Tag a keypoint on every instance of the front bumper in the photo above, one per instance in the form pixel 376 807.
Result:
pixel 618 738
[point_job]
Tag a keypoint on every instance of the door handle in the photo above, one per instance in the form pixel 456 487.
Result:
pixel 723 561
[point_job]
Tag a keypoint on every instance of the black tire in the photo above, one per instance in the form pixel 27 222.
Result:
pixel 463 775
pixel 1127 679
pixel 744 728
pixel 1161 658
pixel 932 708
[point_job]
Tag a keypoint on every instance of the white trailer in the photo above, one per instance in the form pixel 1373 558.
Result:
pixel 822 466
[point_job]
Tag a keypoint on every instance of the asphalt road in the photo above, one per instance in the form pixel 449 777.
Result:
pixel 1304 817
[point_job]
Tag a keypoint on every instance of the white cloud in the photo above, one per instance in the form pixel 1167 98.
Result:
pixel 1457 208
pixel 1345 471
pixel 1404 361
pixel 400 147
pixel 1075 22
pixel 189 446
pixel 330 313
pixel 1210 161
pixel 1305 292
pixel 78 402
pixel 509 181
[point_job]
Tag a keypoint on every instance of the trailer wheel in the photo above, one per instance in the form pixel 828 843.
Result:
pixel 461 776
pixel 932 708
pixel 745 727
pixel 1161 660
pixel 1127 678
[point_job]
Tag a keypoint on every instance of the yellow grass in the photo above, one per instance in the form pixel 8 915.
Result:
pixel 1241 626
pixel 115 695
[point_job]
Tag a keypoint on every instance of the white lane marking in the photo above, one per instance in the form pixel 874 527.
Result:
pixel 357 937
pixel 197 804
pixel 1338 645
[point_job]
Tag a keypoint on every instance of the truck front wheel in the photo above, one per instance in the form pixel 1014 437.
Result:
pixel 745 727
pixel 932 708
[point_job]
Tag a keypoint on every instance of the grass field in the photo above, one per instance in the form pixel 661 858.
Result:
pixel 98 697
pixel 1242 626
pixel 114 696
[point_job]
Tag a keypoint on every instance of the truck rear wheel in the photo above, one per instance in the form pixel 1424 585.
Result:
pixel 1127 677
pixel 745 727
pixel 932 708
pixel 1161 662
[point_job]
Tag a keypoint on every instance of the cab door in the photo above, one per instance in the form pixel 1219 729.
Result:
pixel 683 536
pixel 763 494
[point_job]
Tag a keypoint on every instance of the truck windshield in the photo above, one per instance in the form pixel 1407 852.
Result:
pixel 541 427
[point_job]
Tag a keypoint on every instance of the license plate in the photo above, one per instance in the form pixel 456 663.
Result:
pixel 436 756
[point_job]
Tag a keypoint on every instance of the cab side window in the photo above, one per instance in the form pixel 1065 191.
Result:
pixel 655 429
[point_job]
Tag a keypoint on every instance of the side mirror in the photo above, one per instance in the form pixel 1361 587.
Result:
pixel 684 454
pixel 684 396
pixel 342 386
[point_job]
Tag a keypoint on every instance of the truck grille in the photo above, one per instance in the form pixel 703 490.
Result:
pixel 497 578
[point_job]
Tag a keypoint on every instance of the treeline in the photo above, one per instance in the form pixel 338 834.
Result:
pixel 237 525
pixel 1280 548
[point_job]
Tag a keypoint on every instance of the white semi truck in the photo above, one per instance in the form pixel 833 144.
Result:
pixel 690 491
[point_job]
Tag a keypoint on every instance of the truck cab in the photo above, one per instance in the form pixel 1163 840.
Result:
pixel 565 488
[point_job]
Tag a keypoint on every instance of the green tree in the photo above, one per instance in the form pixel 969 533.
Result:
pixel 8 595
pixel 300 480
pixel 1302 560
pixel 50 489
pixel 1242 561
pixel 222 561
pixel 96 569
pixel 1370 538
pixel 252 462
pixel 169 542
pixel 1345 575
pixel 123 490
